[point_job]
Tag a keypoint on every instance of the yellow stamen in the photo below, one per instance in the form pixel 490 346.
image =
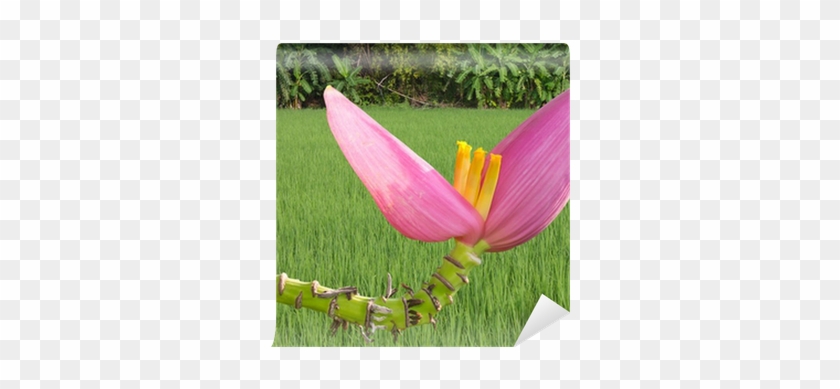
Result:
pixel 462 166
pixel 474 179
pixel 489 187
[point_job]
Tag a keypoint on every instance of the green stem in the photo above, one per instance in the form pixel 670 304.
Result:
pixel 413 308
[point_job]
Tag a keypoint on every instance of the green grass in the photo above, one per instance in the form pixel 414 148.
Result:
pixel 330 230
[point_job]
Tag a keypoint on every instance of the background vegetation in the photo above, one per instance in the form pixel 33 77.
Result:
pixel 428 75
pixel 330 230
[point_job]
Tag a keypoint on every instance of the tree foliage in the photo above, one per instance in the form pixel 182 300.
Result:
pixel 477 75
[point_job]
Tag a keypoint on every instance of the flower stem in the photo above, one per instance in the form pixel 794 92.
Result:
pixel 414 307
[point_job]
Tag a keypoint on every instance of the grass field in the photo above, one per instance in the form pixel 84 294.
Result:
pixel 330 230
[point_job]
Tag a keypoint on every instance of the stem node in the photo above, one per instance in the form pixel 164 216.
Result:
pixel 405 304
pixel 299 300
pixel 444 281
pixel 333 307
pixel 395 331
pixel 433 299
pixel 281 285
pixel 408 290
pixel 364 335
pixel 454 261
pixel 390 292
pixel 414 302
pixel 367 313
pixel 464 278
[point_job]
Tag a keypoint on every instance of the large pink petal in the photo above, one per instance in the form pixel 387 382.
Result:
pixel 412 195
pixel 533 182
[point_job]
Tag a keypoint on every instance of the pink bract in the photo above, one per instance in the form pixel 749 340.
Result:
pixel 418 202
pixel 534 180
pixel 413 196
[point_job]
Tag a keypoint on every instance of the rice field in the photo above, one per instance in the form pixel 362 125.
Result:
pixel 330 230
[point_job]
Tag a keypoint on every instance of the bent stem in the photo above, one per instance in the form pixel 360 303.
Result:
pixel 414 307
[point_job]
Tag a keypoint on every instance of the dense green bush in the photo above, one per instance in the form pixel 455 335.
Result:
pixel 430 75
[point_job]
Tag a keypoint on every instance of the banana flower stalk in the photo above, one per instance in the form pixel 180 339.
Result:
pixel 496 202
